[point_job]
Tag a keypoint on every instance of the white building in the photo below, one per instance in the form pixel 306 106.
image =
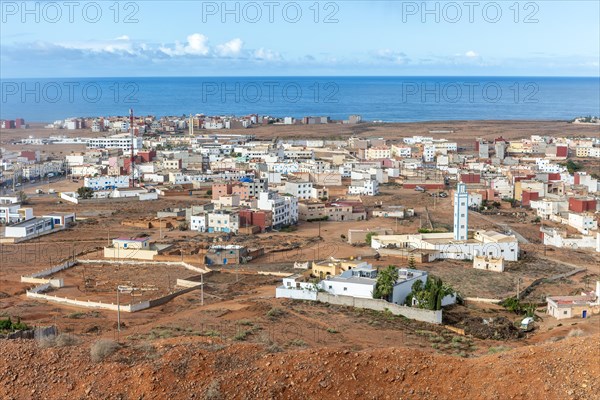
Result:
pixel 583 222
pixel 120 141
pixel 11 213
pixel 545 208
pixel 461 212
pixel 301 189
pixel 283 167
pixel 284 208
pixel 429 151
pixel 417 139
pixel 444 146
pixel 223 221
pixel 560 239
pixel 106 182
pixel 444 246
pixel 29 228
pixel 360 282
pixel 544 165
pixel 504 188
pixel 365 187
pixel 296 153
pixel 199 223
pixel 401 151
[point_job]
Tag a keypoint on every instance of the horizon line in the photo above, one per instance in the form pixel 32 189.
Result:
pixel 308 76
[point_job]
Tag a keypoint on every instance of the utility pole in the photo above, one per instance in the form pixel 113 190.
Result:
pixel 118 315
pixel 202 289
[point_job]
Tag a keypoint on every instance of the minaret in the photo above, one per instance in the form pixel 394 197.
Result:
pixel 461 212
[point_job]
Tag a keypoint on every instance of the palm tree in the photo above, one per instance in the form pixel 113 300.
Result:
pixel 386 280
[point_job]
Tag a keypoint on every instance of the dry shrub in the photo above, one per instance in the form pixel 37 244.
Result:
pixel 213 391
pixel 575 333
pixel 62 340
pixel 102 349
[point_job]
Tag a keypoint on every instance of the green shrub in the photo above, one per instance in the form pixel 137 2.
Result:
pixel 497 349
pixel 297 343
pixel 240 336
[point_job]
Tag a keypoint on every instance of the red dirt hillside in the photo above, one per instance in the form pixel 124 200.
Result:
pixel 205 369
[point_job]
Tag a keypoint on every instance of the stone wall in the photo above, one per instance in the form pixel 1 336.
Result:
pixel 419 314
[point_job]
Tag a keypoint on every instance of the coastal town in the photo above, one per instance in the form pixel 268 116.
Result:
pixel 139 227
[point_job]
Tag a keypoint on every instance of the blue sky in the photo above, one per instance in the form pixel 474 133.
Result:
pixel 193 38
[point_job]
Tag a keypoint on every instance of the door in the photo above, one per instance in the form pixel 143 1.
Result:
pixel 584 314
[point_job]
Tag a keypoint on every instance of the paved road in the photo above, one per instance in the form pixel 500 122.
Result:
pixel 29 188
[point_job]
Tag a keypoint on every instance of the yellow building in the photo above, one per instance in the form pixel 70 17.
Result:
pixel 334 267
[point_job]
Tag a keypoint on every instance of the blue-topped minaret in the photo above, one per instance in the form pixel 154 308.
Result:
pixel 461 212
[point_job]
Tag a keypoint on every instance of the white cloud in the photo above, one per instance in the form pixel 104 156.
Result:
pixel 197 45
pixel 266 54
pixel 100 46
pixel 394 56
pixel 471 54
pixel 231 48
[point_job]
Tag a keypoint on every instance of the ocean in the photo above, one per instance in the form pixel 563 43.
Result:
pixel 386 99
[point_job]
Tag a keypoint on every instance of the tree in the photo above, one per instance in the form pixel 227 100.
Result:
pixel 23 199
pixel 369 237
pixel 386 280
pixel 85 193
pixel 430 295
pixel 411 262
pixel 572 166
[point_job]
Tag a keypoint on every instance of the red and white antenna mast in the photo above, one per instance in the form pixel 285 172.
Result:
pixel 132 161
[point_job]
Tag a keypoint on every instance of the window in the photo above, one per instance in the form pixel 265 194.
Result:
pixel 330 287
pixel 564 312
pixel 345 289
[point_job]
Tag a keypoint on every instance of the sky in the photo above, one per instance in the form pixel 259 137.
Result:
pixel 41 39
